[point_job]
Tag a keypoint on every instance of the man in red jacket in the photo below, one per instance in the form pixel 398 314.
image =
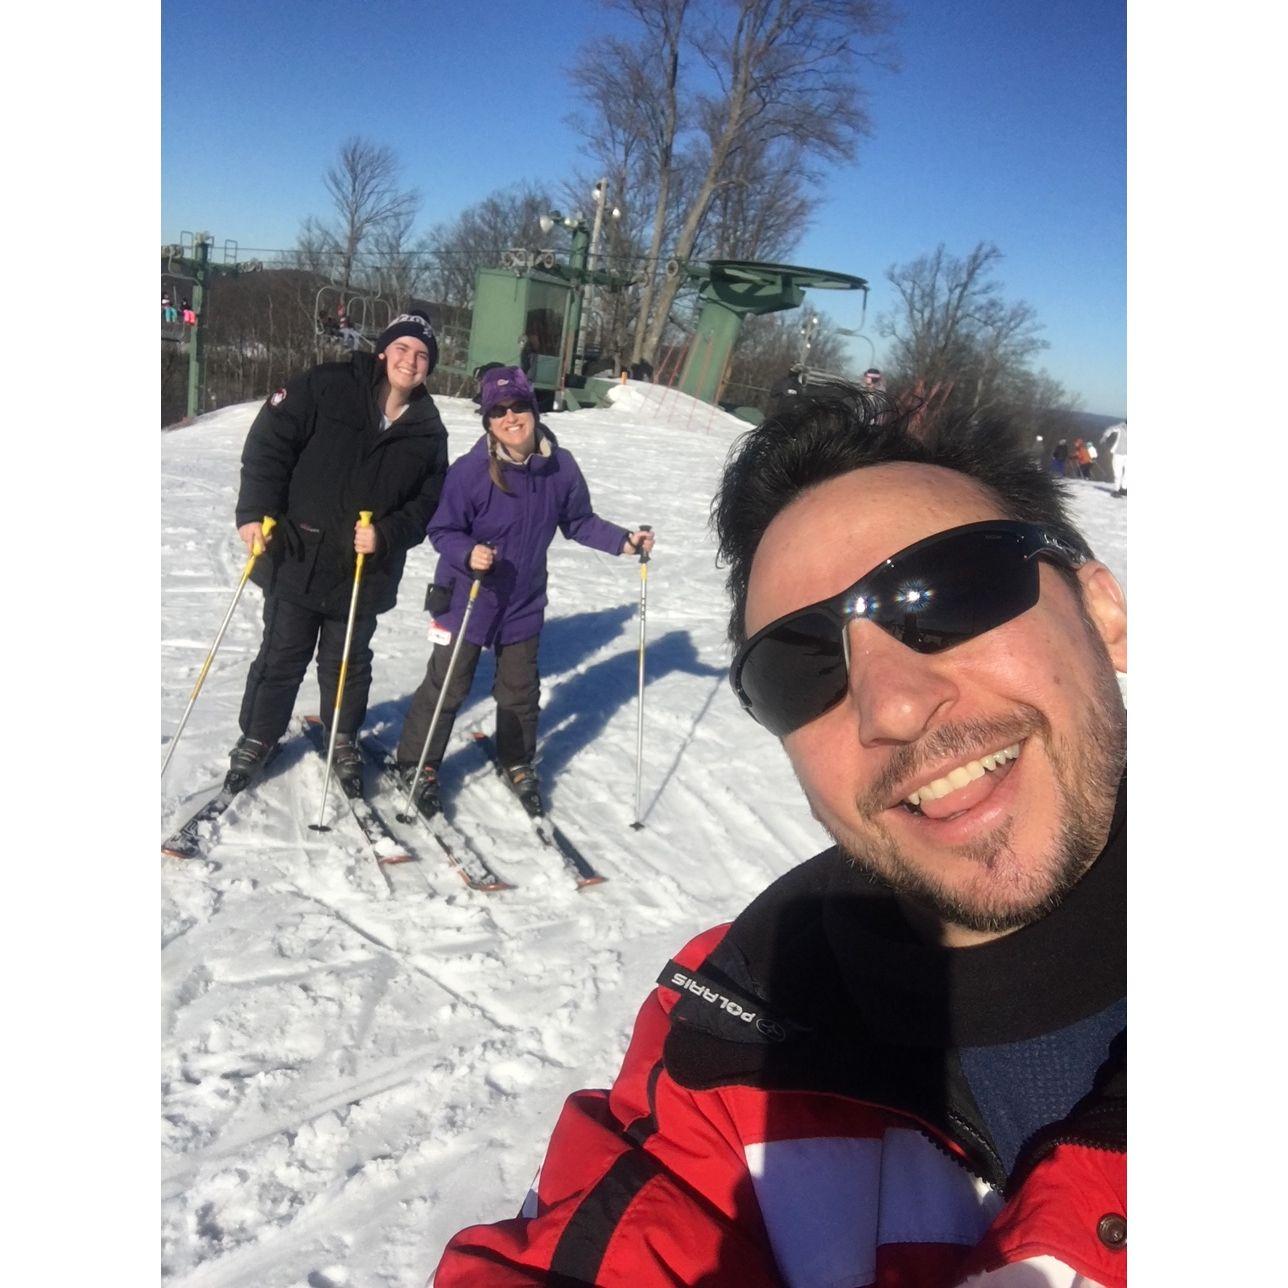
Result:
pixel 905 1062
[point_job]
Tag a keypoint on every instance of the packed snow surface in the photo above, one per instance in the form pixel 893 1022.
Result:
pixel 348 1077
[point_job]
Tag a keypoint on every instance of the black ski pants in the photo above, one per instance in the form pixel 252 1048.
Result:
pixel 517 690
pixel 291 636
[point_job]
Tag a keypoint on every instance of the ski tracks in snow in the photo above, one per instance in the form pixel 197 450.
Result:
pixel 324 1047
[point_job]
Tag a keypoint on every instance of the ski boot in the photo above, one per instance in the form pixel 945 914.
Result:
pixel 426 797
pixel 245 759
pixel 347 763
pixel 523 783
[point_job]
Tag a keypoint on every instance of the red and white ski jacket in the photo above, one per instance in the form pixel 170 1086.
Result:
pixel 746 1144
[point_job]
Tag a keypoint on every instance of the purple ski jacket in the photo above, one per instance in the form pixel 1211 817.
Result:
pixel 546 492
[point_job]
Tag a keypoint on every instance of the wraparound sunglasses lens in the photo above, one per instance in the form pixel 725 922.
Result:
pixel 795 672
pixel 942 591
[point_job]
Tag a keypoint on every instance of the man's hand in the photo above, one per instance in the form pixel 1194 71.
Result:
pixel 253 535
pixel 365 539
pixel 482 558
pixel 640 542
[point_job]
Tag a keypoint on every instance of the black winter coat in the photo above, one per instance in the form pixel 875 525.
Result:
pixel 313 459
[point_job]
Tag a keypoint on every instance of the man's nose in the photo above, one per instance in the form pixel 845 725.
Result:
pixel 897 692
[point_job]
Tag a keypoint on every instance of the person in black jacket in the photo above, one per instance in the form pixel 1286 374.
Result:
pixel 341 438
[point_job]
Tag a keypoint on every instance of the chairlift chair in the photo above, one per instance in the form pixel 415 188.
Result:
pixel 174 331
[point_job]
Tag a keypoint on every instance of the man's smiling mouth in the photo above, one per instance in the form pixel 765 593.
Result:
pixel 960 776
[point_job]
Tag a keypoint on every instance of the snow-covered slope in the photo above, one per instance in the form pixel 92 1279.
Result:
pixel 348 1078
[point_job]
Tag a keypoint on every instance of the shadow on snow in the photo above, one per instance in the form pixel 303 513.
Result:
pixel 576 709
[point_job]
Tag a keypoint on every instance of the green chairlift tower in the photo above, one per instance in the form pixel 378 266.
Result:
pixel 531 306
pixel 533 302
pixel 190 259
pixel 730 289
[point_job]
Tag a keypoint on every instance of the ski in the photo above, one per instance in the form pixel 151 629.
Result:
pixel 385 847
pixel 185 841
pixel 464 859
pixel 579 866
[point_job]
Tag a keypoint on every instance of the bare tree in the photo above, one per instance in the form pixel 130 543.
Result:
pixel 1043 406
pixel 661 115
pixel 783 71
pixel 363 183
pixel 635 110
pixel 762 209
pixel 479 235
pixel 952 322
pixel 963 350
pixel 315 248
pixel 398 266
pixel 769 345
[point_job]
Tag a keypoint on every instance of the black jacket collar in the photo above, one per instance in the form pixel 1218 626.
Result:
pixel 1063 968
pixel 823 962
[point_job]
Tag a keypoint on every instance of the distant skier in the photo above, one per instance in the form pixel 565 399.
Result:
pixel 189 316
pixel 349 333
pixel 1082 457
pixel 1059 457
pixel 1114 441
pixel 168 311
pixel 501 504
pixel 873 379
pixel 529 351
pixel 784 390
pixel 362 434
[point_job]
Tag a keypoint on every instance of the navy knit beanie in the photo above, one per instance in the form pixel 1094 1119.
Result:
pixel 415 325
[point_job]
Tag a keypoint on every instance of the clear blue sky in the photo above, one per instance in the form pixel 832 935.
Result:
pixel 1007 123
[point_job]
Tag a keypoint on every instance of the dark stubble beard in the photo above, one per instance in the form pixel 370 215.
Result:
pixel 1087 771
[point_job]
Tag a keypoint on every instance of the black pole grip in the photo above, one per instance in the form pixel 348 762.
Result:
pixel 478 576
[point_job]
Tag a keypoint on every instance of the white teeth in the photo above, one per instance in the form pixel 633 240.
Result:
pixel 957 778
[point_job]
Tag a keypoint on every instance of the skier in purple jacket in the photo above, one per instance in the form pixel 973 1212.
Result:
pixel 500 506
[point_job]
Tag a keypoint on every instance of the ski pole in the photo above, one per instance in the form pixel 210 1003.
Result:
pixel 639 731
pixel 405 815
pixel 267 524
pixel 364 520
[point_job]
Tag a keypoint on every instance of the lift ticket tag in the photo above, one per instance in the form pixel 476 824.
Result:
pixel 437 634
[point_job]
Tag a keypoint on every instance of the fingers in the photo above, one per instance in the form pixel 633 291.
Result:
pixel 252 534
pixel 364 539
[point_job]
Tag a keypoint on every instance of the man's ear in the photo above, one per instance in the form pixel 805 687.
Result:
pixel 1106 605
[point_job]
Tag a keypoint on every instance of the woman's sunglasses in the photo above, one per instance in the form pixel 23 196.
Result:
pixel 519 407
pixel 941 591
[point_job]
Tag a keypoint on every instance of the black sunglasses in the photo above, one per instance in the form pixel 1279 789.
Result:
pixel 519 407
pixel 938 592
